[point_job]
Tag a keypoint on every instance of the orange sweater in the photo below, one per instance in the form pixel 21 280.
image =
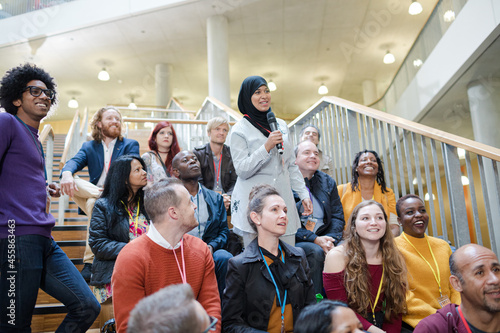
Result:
pixel 144 267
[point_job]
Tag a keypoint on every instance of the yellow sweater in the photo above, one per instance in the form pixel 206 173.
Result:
pixel 423 294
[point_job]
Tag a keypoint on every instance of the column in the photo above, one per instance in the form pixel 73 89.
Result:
pixel 484 104
pixel 163 84
pixel 218 59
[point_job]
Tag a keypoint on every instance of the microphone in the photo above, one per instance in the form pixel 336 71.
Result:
pixel 271 119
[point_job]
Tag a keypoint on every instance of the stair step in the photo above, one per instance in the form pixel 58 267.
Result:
pixel 73 248
pixel 69 232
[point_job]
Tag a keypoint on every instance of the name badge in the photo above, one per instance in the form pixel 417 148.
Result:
pixel 443 301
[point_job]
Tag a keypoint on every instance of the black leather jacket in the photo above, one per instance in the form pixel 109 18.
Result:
pixel 106 241
pixel 228 174
pixel 324 188
pixel 250 292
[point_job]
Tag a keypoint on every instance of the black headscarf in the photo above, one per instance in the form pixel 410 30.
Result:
pixel 255 117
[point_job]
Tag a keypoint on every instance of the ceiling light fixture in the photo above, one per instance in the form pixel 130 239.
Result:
pixel 1 7
pixel 389 58
pixel 415 8
pixel 103 75
pixel 449 16
pixel 461 153
pixel 417 63
pixel 73 103
pixel 427 196
pixel 322 90
pixel 132 104
pixel 465 181
pixel 271 85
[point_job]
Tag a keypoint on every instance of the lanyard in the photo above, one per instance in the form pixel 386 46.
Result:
pixel 463 320
pixel 129 211
pixel 183 271
pixel 217 171
pixel 39 147
pixel 197 210
pixel 282 304
pixel 373 305
pixel 436 276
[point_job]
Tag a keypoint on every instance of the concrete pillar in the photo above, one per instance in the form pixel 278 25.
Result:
pixel 218 58
pixel 163 84
pixel 369 92
pixel 484 104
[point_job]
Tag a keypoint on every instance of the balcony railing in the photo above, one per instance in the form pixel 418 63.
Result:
pixel 461 191
pixel 9 8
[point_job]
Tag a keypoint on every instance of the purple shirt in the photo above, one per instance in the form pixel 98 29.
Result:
pixel 22 181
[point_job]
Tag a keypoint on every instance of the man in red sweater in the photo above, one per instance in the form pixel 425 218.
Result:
pixel 475 273
pixel 165 256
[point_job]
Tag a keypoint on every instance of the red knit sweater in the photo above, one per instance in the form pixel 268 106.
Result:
pixel 144 267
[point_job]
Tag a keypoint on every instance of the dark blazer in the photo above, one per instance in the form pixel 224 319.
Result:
pixel 228 174
pixel 324 188
pixel 105 240
pixel 92 155
pixel 216 230
pixel 250 292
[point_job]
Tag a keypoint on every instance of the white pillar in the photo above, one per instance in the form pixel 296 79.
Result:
pixel 163 84
pixel 369 92
pixel 484 104
pixel 218 58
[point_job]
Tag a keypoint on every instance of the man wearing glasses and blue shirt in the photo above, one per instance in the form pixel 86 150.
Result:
pixel 30 258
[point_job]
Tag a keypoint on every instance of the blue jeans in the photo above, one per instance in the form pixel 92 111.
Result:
pixel 221 257
pixel 316 260
pixel 31 262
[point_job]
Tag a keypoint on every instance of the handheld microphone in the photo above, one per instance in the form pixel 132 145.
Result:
pixel 271 119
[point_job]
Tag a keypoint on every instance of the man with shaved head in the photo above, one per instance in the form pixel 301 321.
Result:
pixel 475 273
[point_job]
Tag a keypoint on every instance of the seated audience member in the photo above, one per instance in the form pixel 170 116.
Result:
pixel 323 230
pixel 118 217
pixel 164 146
pixel 475 274
pixel 217 170
pixel 368 183
pixel 172 309
pixel 165 256
pixel 210 212
pixel 268 284
pixel 367 271
pixel 97 155
pixel 426 260
pixel 311 133
pixel 328 317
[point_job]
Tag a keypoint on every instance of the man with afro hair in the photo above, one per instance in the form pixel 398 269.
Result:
pixel 30 259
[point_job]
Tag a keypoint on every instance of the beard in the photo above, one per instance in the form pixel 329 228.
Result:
pixel 111 132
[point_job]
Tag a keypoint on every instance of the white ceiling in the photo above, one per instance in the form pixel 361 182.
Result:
pixel 297 41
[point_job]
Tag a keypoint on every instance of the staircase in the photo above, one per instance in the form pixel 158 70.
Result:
pixel 70 236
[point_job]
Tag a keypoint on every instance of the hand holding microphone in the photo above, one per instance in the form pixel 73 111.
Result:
pixel 275 138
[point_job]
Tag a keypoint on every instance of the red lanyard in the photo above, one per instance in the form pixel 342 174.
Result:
pixel 259 124
pixel 463 320
pixel 217 171
pixel 183 271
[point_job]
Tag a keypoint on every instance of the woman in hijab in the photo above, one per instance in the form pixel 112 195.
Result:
pixel 257 160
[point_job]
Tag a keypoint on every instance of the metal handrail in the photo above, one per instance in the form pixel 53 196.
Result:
pixel 419 160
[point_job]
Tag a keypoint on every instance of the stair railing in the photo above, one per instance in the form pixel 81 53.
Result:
pixel 47 133
pixel 457 177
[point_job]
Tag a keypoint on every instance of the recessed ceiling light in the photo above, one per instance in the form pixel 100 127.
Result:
pixel 449 16
pixel 417 63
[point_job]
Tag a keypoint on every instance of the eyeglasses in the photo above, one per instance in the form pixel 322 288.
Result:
pixel 36 91
pixel 211 327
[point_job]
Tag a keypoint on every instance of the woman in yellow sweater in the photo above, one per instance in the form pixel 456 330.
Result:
pixel 368 183
pixel 427 261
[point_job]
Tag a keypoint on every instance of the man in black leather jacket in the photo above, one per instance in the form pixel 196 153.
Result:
pixel 217 170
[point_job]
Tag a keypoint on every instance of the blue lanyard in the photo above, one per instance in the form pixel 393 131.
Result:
pixel 282 305
pixel 38 145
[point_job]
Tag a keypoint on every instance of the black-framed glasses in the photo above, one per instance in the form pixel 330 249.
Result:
pixel 37 91
pixel 211 327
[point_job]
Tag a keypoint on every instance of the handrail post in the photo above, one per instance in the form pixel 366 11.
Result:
pixel 352 126
pixel 456 195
